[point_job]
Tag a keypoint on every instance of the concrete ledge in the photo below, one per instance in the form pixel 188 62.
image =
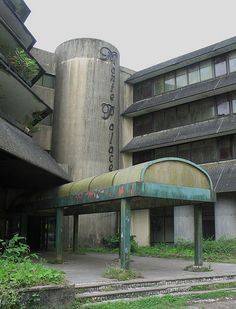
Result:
pixel 51 296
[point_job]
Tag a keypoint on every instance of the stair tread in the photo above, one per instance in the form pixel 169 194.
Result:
pixel 98 293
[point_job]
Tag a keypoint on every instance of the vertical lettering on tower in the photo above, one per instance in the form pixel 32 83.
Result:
pixel 108 108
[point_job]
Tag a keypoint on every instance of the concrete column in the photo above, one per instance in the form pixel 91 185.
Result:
pixel 85 133
pixel 140 226
pixel 75 234
pixel 225 216
pixel 198 260
pixel 23 225
pixel 125 233
pixel 59 235
pixel 184 223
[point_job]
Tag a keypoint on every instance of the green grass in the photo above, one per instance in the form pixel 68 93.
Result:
pixel 121 274
pixel 222 250
pixel 157 302
pixel 213 286
pixel 27 273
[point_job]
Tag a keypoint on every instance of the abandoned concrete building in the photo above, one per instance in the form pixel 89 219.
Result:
pixel 77 113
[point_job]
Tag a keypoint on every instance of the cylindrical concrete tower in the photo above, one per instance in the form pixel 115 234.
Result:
pixel 86 119
pixel 86 110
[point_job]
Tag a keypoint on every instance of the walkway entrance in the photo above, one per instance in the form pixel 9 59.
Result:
pixel 159 183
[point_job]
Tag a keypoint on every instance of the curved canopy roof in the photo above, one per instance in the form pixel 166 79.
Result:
pixel 174 179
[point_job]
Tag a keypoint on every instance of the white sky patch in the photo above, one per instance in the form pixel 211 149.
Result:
pixel 146 32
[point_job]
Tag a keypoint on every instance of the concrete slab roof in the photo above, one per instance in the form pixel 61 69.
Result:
pixel 184 134
pixel 187 59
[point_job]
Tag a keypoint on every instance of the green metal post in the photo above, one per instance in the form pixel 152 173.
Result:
pixel 125 217
pixel 59 235
pixel 75 234
pixel 23 225
pixel 198 260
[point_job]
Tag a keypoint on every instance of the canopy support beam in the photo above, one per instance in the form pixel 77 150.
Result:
pixel 75 234
pixel 125 217
pixel 198 259
pixel 59 235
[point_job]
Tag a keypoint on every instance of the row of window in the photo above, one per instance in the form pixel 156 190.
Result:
pixel 185 114
pixel 47 80
pixel 189 75
pixel 204 151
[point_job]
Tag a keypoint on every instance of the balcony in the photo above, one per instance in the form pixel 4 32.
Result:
pixel 16 25
pixel 20 9
pixel 17 57
pixel 18 104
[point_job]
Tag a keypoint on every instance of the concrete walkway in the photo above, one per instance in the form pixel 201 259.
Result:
pixel 88 268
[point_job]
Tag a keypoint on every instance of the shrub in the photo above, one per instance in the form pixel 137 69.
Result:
pixel 15 249
pixel 113 242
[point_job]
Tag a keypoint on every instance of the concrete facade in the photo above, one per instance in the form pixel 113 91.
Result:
pixel 184 223
pixel 225 216
pixel 90 130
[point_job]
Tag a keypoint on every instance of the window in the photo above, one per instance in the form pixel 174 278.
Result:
pixel 159 86
pixel 181 78
pixel 143 124
pixel 234 103
pixel 184 151
pixel 198 149
pixel 206 70
pixel 193 74
pixel 220 66
pixel 224 146
pixel 207 108
pixel 159 123
pixel 170 82
pixel 222 106
pixel 143 156
pixel 232 62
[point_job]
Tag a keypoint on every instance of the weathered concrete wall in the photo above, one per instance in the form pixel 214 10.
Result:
pixel 43 136
pixel 140 226
pixel 86 119
pixel 225 216
pixel 126 123
pixel 92 228
pixel 86 112
pixel 46 94
pixel 50 296
pixel 46 59
pixel 184 223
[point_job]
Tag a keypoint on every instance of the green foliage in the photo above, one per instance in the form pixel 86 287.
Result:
pixel 9 298
pixel 121 274
pixel 14 249
pixel 23 64
pixel 27 273
pixel 17 270
pixel 164 302
pixel 113 242
pixel 222 250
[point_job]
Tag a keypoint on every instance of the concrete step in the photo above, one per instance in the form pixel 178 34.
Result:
pixel 124 285
pixel 134 292
pixel 87 304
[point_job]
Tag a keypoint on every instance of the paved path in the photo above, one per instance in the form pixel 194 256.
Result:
pixel 88 268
